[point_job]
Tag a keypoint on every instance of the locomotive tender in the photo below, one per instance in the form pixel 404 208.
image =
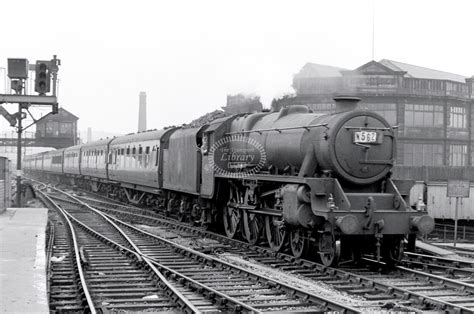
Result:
pixel 316 183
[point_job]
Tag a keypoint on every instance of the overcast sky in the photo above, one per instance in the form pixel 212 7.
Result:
pixel 188 55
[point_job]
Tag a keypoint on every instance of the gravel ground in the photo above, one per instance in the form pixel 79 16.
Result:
pixel 305 284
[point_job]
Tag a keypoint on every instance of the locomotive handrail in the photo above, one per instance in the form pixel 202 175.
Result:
pixel 368 128
pixel 306 127
pixel 377 162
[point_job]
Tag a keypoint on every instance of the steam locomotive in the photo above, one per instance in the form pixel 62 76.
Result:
pixel 316 184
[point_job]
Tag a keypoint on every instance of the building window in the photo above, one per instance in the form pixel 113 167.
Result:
pixel 49 128
pixel 388 111
pixel 415 154
pixel 457 117
pixel 65 128
pixel 425 116
pixel 458 155
pixel 379 81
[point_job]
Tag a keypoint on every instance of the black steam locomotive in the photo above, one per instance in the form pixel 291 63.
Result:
pixel 317 184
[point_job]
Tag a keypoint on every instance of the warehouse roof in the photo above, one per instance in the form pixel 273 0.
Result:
pixel 421 72
pixel 319 70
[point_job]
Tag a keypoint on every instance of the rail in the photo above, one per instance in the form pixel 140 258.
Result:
pixel 77 254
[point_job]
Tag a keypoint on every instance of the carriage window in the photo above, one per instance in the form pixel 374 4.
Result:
pixel 146 157
pixel 134 151
pixel 140 150
pixel 128 150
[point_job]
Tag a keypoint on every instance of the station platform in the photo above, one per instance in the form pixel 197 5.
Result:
pixel 23 286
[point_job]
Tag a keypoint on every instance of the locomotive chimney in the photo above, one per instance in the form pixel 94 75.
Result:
pixel 346 103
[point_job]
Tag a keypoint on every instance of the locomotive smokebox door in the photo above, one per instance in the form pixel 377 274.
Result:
pixel 371 144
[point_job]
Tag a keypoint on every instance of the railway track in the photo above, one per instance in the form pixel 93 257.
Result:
pixel 113 277
pixel 415 258
pixel 228 286
pixel 466 252
pixel 387 290
pixel 459 270
pixel 65 293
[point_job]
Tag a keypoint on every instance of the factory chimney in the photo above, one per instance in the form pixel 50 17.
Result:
pixel 89 134
pixel 142 112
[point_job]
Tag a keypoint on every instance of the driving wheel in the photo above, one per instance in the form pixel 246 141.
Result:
pixel 299 242
pixel 329 249
pixel 254 225
pixel 277 235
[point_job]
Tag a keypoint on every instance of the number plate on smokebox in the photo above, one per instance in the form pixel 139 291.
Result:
pixel 365 137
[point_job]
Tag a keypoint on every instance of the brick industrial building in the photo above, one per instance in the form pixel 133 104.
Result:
pixel 432 109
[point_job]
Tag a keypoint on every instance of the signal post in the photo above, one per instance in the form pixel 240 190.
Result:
pixel 18 69
pixel 458 189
